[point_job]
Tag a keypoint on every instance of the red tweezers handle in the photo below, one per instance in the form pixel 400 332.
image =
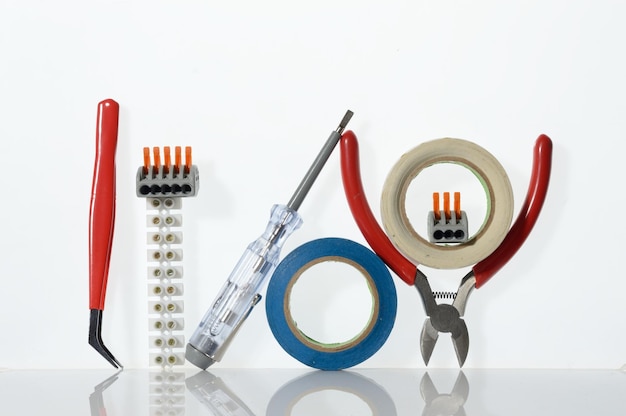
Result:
pixel 102 207
pixel 536 195
pixel 374 235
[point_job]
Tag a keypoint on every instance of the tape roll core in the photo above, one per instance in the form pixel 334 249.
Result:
pixel 499 204
pixel 334 356
pixel 338 346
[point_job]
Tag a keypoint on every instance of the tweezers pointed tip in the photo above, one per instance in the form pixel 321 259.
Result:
pixel 104 352
pixel 117 364
pixel 110 358
pixel 95 338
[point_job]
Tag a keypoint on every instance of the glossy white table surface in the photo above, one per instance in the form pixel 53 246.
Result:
pixel 243 392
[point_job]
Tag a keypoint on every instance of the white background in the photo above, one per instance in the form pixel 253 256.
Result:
pixel 255 88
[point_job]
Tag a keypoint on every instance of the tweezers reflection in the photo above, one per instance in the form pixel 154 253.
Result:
pixel 96 401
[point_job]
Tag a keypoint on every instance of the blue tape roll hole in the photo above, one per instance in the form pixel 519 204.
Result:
pixel 335 356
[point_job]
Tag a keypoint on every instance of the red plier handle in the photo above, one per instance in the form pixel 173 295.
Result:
pixel 362 213
pixel 527 217
pixel 485 269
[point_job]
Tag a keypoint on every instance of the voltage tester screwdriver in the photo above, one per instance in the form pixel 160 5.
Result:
pixel 240 293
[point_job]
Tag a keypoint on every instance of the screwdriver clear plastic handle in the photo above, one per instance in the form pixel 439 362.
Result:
pixel 240 293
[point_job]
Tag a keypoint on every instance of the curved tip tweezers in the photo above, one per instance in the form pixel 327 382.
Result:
pixel 102 220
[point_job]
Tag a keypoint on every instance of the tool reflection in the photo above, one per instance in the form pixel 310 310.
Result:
pixel 366 389
pixel 213 393
pixel 96 401
pixel 279 392
pixel 444 404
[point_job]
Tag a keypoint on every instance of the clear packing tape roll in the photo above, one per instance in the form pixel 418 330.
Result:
pixel 498 191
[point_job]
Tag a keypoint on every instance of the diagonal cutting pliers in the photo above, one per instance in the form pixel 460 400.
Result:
pixel 445 318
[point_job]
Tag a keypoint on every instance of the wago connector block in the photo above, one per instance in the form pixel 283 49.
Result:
pixel 167 179
pixel 446 225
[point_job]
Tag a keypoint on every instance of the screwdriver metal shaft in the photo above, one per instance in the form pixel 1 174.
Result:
pixel 319 162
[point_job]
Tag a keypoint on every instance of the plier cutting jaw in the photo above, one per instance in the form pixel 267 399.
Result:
pixel 444 317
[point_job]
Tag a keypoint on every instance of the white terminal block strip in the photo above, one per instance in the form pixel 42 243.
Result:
pixel 164 240
pixel 447 225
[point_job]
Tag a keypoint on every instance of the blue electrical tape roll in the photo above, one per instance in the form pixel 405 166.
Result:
pixel 331 356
